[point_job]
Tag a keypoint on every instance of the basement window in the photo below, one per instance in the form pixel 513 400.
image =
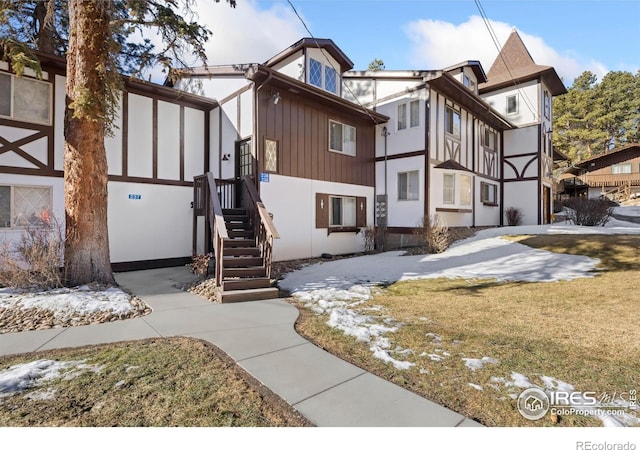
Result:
pixel 23 206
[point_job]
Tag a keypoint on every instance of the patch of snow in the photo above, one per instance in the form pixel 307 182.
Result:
pixel 475 364
pixel 434 337
pixel 476 386
pixel 383 354
pixel 434 357
pixel 425 371
pixel 67 302
pixel 48 394
pixel 21 377
pixel 120 384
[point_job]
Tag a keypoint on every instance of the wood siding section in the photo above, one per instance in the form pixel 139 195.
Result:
pixel 301 128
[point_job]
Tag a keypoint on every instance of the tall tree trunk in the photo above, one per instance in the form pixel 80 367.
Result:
pixel 85 161
pixel 43 15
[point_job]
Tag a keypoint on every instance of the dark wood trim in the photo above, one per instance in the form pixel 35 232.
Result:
pixel 515 180
pixel 427 152
pixel 181 143
pixel 220 142
pixel 489 204
pixel 150 264
pixel 46 172
pixel 355 230
pixel 125 134
pixel 519 155
pixel 500 171
pixel 401 155
pixel 539 208
pixel 526 166
pixel 127 179
pixel 237 93
pixel 454 210
pixel 207 141
pixel 51 150
pixel 171 95
pixel 154 137
pixel 438 126
pixel 25 125
pixel 475 121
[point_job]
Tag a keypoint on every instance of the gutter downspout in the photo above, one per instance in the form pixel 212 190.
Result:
pixel 256 126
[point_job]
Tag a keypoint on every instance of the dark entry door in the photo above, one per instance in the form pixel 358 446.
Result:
pixel 245 165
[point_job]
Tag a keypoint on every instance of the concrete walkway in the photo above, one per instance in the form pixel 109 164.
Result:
pixel 260 337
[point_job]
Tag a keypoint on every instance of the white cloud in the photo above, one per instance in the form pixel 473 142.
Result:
pixel 247 33
pixel 438 44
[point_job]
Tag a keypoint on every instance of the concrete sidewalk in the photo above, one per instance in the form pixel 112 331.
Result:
pixel 260 337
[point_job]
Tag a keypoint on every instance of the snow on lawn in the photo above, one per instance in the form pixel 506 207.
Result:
pixel 69 302
pixel 475 364
pixel 621 417
pixel 21 377
pixel 337 287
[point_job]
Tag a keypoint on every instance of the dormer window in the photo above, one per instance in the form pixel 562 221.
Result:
pixel 323 76
pixel 468 82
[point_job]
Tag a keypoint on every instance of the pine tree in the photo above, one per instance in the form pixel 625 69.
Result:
pixel 95 37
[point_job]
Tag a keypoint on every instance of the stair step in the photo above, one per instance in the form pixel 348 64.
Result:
pixel 244 234
pixel 239 242
pixel 244 272
pixel 238 226
pixel 249 295
pixel 241 251
pixel 234 211
pixel 243 261
pixel 248 283
pixel 236 218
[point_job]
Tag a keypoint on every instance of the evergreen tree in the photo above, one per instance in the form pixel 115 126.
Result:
pixel 96 37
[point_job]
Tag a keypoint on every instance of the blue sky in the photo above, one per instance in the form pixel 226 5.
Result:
pixel 573 36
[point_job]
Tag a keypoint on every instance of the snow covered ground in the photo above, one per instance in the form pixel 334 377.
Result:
pixel 338 287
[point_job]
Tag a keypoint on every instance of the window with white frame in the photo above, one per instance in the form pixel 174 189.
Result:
pixel 342 138
pixel 489 139
pixel 621 168
pixel 414 113
pixel 402 116
pixel 512 104
pixel 448 188
pixel 342 212
pixel 25 99
pixel 330 79
pixel 22 206
pixel 315 72
pixel 488 193
pixel 468 82
pixel 465 190
pixel 452 122
pixel 323 76
pixel 408 115
pixel 408 185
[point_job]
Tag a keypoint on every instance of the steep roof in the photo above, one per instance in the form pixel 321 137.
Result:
pixel 514 64
pixel 326 44
pixel 616 156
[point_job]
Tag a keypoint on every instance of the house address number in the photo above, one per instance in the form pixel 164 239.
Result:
pixel 135 196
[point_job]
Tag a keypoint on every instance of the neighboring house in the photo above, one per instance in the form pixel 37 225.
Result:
pixel 522 92
pixel 461 144
pixel 161 141
pixel 615 175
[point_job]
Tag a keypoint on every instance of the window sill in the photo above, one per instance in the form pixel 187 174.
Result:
pixel 341 153
pixel 490 204
pixel 454 210
pixel 343 230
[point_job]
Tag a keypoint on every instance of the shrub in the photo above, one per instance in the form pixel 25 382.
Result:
pixel 514 216
pixel 369 236
pixel 588 211
pixel 35 261
pixel 433 233
pixel 200 264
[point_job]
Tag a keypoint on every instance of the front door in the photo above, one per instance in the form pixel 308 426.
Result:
pixel 245 165
pixel 546 205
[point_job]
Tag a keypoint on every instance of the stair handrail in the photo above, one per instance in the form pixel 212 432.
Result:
pixel 217 226
pixel 265 230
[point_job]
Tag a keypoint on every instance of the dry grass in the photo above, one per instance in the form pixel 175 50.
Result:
pixel 584 332
pixel 159 382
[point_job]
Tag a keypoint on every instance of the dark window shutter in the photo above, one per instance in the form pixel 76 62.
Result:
pixel 322 210
pixel 361 212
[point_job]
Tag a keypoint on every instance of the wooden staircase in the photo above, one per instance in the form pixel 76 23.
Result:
pixel 241 233
pixel 244 273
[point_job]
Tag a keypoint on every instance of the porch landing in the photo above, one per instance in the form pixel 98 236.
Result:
pixel 260 337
